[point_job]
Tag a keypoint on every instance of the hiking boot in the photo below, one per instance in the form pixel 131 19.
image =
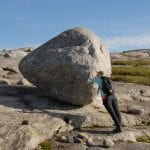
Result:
pixel 117 130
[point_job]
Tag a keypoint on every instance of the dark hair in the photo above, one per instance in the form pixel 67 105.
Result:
pixel 100 72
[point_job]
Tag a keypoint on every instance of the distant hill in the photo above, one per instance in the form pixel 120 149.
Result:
pixel 25 49
pixel 138 50
pixel 132 54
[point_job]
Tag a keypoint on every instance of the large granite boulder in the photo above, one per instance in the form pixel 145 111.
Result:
pixel 60 66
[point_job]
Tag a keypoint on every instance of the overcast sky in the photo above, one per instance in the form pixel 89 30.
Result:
pixel 122 24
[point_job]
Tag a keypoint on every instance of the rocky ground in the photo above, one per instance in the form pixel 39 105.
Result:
pixel 29 118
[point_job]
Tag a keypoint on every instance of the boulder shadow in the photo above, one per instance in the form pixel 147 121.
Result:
pixel 31 100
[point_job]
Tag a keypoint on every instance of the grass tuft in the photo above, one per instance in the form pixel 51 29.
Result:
pixel 144 138
pixel 46 145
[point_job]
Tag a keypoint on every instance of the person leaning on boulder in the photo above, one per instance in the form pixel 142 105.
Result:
pixel 109 99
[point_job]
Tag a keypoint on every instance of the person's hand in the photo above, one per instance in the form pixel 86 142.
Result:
pixel 92 74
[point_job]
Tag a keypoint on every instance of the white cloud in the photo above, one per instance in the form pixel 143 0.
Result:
pixel 128 42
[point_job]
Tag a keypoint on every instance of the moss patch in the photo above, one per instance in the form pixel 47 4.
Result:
pixel 145 139
pixel 46 145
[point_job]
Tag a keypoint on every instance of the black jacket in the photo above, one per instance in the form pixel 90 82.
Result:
pixel 106 85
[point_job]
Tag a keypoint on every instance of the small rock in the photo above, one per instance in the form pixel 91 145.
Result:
pixel 77 140
pixel 65 139
pixel 25 49
pixel 134 109
pixel 89 142
pixel 82 136
pixel 99 138
pixel 5 81
pixel 145 93
pixel 15 54
pixel 66 128
pixel 7 55
pixel 10 69
pixel 70 139
pixel 23 81
pixel 108 143
pixel 62 139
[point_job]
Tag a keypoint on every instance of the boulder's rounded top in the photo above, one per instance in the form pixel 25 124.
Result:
pixel 82 30
pixel 77 36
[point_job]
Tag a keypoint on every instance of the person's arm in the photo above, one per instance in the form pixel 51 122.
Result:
pixel 92 77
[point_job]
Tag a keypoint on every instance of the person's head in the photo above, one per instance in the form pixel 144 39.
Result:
pixel 100 73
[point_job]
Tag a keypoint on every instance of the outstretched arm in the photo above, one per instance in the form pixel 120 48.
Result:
pixel 92 76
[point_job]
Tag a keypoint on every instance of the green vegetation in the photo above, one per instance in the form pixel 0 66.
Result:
pixel 46 145
pixel 139 75
pixel 143 139
pixel 131 71
pixel 131 62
